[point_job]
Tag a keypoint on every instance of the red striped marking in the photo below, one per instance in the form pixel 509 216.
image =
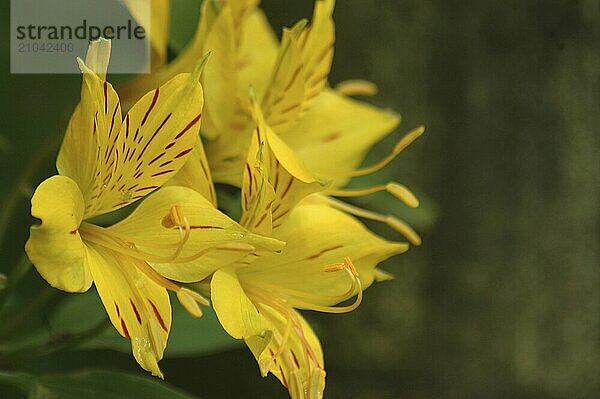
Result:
pixel 158 316
pixel 262 219
pixel 189 126
pixel 164 172
pixel 154 99
pixel 154 135
pixel 315 256
pixel 137 314
pixel 127 126
pixel 182 153
pixel 156 158
pixel 112 122
pixel 293 79
pixel 124 327
pixel 105 97
pixel 146 188
pixel 205 227
pixel 249 179
pixel 171 144
pixel 287 189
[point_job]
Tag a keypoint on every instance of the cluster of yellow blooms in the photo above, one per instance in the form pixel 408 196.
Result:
pixel 270 125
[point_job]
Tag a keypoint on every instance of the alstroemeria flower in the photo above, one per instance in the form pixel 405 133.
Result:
pixel 107 162
pixel 329 131
pixel 329 258
pixel 256 299
pixel 245 54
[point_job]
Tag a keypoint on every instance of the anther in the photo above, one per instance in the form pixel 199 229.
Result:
pixel 357 87
pixel 404 142
pixel 402 193
pixel 404 229
pixel 191 300
pixel 396 189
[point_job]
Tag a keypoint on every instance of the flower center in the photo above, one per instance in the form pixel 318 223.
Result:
pixel 130 247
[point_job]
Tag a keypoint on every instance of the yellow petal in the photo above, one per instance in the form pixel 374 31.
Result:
pixel 258 195
pixel 94 123
pixel 283 99
pixel 336 133
pixel 299 365
pixel 316 44
pixel 318 236
pixel 186 61
pixel 55 247
pixel 139 308
pixel 214 239
pixel 153 143
pixel 219 78
pixel 236 312
pixel 155 16
pixel 98 56
pixel 195 174
pixel 257 54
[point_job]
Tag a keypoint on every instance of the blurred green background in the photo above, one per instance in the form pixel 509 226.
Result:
pixel 503 297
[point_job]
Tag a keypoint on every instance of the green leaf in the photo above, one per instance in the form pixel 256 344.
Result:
pixel 91 384
pixel 188 337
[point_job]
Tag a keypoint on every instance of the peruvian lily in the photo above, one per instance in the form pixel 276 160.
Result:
pixel 106 163
pixel 327 129
pixel 329 258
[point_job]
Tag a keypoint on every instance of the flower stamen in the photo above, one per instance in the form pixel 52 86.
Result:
pixel 392 221
pixel 404 142
pixel 396 189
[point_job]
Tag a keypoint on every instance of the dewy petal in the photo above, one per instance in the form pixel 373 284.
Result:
pixel 336 133
pixel 139 308
pixel 195 174
pixel 55 247
pixel 318 236
pixel 236 312
pixel 214 239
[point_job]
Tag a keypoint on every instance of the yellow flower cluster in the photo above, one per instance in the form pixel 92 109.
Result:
pixel 271 125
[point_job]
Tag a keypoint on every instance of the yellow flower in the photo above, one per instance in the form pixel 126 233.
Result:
pixel 326 129
pixel 245 54
pixel 329 258
pixel 256 299
pixel 107 162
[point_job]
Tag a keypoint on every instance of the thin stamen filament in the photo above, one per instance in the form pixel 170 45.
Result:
pixel 392 221
pixel 303 294
pixel 106 239
pixel 397 190
pixel 404 142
